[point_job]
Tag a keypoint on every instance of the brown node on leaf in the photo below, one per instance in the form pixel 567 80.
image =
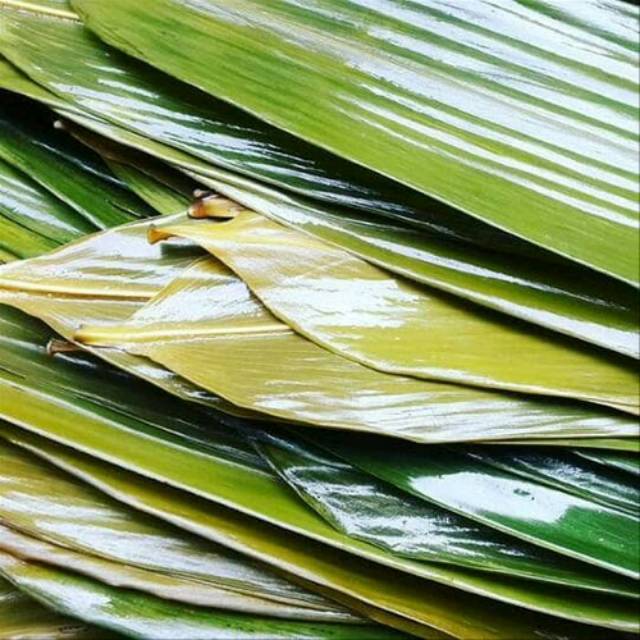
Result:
pixel 211 205
pixel 57 345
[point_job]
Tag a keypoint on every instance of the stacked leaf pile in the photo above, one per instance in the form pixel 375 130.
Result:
pixel 319 320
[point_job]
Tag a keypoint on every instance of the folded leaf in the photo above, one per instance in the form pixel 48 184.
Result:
pixel 466 105
pixel 280 373
pixel 364 313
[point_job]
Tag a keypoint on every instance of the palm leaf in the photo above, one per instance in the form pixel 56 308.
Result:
pixel 451 102
pixel 342 303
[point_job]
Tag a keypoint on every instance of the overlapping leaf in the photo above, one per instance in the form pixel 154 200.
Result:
pixel 570 302
pixel 24 618
pixel 139 615
pixel 466 105
pixel 364 313
pixel 152 556
pixel 554 519
pixel 207 318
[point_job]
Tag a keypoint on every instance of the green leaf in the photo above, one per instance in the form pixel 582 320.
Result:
pixel 138 615
pixel 68 171
pixel 47 49
pixel 24 202
pixel 359 311
pixel 348 575
pixel 566 471
pixel 211 463
pixel 136 550
pixel 468 106
pixel 510 503
pixel 175 589
pixel 365 508
pixel 281 373
pixel 565 300
pixel 20 242
pixel 24 618
pixel 622 461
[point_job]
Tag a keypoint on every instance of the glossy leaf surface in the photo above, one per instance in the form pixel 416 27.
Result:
pixel 629 462
pixel 452 101
pixel 178 565
pixel 367 509
pixel 568 472
pixel 364 582
pixel 155 105
pixel 364 313
pixel 68 171
pixel 26 203
pixel 139 615
pixel 24 618
pixel 223 473
pixel 550 518
pixel 207 318
pixel 571 303
pixel 168 587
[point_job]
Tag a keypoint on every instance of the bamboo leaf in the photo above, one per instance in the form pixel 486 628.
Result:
pixel 222 474
pixel 47 48
pixel 72 174
pixel 257 539
pixel 138 615
pixel 25 203
pixel 175 589
pixel 280 373
pixel 452 102
pixel 619 460
pixel 553 519
pixel 565 300
pixel 365 508
pixel 568 472
pixel 137 551
pixel 24 618
pixel 364 313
